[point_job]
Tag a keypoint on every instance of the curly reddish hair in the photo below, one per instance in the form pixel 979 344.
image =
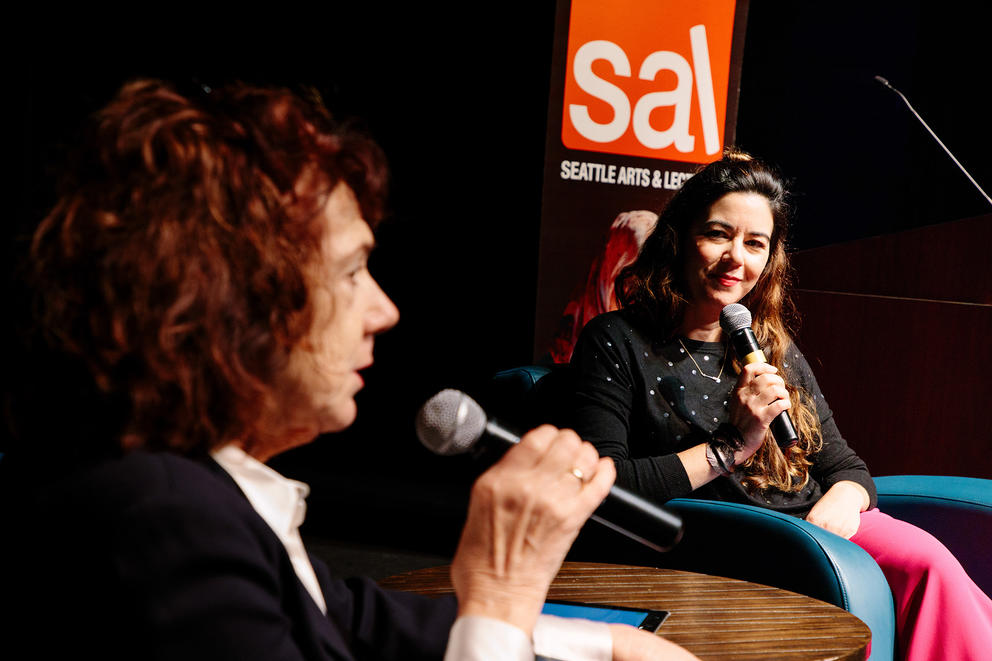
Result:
pixel 173 267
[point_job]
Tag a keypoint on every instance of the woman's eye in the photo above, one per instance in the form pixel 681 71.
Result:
pixel 355 273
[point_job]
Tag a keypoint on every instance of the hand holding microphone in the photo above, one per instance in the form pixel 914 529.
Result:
pixel 526 511
pixel 451 422
pixel 524 514
pixel 761 390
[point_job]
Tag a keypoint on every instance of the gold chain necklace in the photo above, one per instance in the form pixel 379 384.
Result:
pixel 700 369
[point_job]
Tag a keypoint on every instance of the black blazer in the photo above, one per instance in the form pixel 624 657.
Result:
pixel 155 556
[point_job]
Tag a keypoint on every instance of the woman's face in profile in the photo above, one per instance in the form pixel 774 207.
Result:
pixel 728 249
pixel 349 310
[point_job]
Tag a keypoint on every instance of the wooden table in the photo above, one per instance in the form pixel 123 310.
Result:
pixel 713 617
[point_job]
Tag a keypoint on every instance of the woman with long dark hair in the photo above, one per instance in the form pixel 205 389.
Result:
pixel 660 391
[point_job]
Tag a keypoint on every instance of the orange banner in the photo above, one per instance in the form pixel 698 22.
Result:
pixel 648 78
pixel 642 92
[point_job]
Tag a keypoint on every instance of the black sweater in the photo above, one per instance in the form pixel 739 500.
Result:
pixel 640 404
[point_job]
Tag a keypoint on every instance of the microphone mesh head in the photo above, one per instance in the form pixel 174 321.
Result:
pixel 734 317
pixel 450 422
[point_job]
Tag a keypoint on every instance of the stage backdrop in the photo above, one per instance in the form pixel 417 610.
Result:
pixel 642 92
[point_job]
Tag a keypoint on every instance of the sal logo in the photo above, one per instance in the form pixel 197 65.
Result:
pixel 648 78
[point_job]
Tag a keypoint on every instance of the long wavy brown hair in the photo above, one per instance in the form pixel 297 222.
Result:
pixel 653 288
pixel 171 275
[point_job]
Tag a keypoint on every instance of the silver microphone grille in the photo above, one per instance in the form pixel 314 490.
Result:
pixel 734 317
pixel 450 422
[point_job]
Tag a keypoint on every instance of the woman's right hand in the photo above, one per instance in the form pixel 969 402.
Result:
pixel 759 397
pixel 630 644
pixel 524 513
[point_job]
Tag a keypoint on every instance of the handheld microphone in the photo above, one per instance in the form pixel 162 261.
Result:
pixel 451 423
pixel 735 320
pixel 887 84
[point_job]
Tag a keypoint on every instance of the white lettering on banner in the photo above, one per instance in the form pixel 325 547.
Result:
pixel 680 98
pixel 704 88
pixel 595 86
pixel 622 175
pixel 674 180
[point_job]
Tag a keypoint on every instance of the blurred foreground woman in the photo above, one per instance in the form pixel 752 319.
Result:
pixel 204 304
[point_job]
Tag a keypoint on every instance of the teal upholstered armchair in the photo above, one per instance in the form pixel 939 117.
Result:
pixel 762 546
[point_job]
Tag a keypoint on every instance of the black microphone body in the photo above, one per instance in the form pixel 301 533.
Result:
pixel 738 328
pixel 449 424
pixel 748 351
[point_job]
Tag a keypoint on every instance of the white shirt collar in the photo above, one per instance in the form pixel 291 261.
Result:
pixel 280 502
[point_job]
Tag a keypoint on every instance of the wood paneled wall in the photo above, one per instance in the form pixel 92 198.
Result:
pixel 898 329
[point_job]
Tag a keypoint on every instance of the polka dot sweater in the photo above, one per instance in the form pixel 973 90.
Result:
pixel 641 403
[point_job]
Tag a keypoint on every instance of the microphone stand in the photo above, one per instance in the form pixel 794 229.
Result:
pixel 886 83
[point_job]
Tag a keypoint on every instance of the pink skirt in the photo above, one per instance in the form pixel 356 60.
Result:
pixel 940 612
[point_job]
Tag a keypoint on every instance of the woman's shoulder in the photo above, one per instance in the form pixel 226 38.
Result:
pixel 613 339
pixel 606 321
pixel 156 472
pixel 117 487
pixel 799 370
pixel 794 361
pixel 149 529
pixel 616 324
pixel 154 481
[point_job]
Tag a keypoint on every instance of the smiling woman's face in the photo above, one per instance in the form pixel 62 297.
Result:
pixel 727 251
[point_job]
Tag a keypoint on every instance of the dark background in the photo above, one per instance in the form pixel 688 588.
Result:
pixel 457 96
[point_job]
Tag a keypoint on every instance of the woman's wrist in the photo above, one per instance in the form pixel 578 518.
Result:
pixel 720 458
pixel 853 491
pixel 722 448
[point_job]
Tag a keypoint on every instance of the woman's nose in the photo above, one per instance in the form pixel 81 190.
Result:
pixel 735 252
pixel 383 313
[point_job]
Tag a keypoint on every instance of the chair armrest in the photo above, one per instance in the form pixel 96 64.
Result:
pixel 519 381
pixel 527 396
pixel 955 510
pixel 763 546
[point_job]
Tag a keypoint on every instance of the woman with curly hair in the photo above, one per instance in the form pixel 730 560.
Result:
pixel 659 390
pixel 203 304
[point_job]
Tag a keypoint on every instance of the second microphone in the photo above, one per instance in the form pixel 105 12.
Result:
pixel 451 422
